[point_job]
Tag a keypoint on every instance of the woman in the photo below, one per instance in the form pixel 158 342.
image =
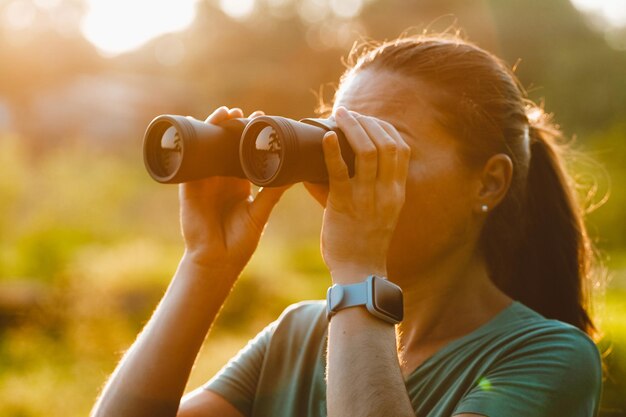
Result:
pixel 460 198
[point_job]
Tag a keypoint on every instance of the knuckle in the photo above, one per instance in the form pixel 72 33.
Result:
pixel 389 147
pixel 367 153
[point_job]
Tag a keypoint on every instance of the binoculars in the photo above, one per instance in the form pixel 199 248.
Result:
pixel 269 151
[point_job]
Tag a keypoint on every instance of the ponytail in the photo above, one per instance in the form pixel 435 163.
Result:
pixel 550 263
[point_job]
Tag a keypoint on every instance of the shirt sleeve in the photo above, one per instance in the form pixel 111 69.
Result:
pixel 237 380
pixel 557 373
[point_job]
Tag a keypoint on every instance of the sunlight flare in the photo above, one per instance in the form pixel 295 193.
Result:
pixel 117 26
pixel 612 12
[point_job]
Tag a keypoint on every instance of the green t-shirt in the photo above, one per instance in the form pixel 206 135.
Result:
pixel 517 364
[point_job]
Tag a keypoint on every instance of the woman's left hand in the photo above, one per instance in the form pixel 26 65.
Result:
pixel 361 212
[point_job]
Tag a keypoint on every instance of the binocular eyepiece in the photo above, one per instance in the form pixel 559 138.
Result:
pixel 268 150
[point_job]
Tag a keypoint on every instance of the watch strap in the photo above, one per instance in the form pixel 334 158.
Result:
pixel 344 296
pixel 383 299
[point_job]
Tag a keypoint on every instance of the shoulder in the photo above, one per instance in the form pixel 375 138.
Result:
pixel 301 320
pixel 536 366
pixel 552 362
pixel 530 333
pixel 304 310
pixel 526 337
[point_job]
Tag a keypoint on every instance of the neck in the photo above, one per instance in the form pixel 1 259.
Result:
pixel 445 301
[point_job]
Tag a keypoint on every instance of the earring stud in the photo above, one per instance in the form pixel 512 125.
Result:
pixel 484 208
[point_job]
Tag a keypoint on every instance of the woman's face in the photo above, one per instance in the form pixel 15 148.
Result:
pixel 438 217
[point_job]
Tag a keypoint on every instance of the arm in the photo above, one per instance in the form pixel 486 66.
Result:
pixel 151 377
pixel 221 225
pixel 364 377
pixel 203 403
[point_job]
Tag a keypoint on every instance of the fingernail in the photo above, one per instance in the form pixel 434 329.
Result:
pixel 329 142
pixel 328 135
pixel 341 112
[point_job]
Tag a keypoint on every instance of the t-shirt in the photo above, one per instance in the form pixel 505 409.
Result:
pixel 517 364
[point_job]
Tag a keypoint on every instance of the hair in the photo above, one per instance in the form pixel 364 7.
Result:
pixel 534 242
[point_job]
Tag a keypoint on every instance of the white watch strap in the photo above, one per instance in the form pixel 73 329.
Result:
pixel 344 296
pixel 380 297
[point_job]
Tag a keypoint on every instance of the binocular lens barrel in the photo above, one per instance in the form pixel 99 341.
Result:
pixel 276 151
pixel 269 150
pixel 178 149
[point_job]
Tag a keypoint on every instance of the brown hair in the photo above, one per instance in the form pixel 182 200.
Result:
pixel 535 243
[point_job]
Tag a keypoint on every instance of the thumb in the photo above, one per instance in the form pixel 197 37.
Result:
pixel 264 202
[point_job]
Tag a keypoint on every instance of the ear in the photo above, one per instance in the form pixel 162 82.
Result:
pixel 495 180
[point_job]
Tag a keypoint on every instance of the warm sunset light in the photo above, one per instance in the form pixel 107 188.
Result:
pixel 116 26
pixel 237 8
pixel 612 12
pixel 94 99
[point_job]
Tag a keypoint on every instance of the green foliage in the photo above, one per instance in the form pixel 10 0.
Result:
pixel 44 253
pixel 607 147
pixel 613 347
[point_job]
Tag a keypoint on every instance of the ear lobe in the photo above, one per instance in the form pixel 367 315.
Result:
pixel 495 181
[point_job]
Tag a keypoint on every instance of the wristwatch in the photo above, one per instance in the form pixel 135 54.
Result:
pixel 380 297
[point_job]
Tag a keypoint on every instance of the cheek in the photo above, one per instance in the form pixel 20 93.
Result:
pixel 436 215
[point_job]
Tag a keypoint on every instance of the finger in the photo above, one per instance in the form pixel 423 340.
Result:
pixel 235 112
pixel 364 150
pixel 256 114
pixel 386 147
pixel 262 205
pixel 338 175
pixel 392 131
pixel 220 114
pixel 403 150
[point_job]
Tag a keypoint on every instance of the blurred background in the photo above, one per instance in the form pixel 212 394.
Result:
pixel 88 242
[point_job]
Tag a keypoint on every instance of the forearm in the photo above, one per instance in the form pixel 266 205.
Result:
pixel 151 377
pixel 364 376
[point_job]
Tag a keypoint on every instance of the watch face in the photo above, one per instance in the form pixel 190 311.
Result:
pixel 387 299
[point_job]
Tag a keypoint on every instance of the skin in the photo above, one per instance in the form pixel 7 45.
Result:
pixel 412 212
pixel 432 252
pixel 221 222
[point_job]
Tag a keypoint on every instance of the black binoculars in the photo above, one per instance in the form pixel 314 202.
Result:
pixel 269 151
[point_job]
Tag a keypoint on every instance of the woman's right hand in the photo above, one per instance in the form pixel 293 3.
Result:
pixel 221 220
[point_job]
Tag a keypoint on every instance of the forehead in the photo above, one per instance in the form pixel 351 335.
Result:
pixel 389 96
